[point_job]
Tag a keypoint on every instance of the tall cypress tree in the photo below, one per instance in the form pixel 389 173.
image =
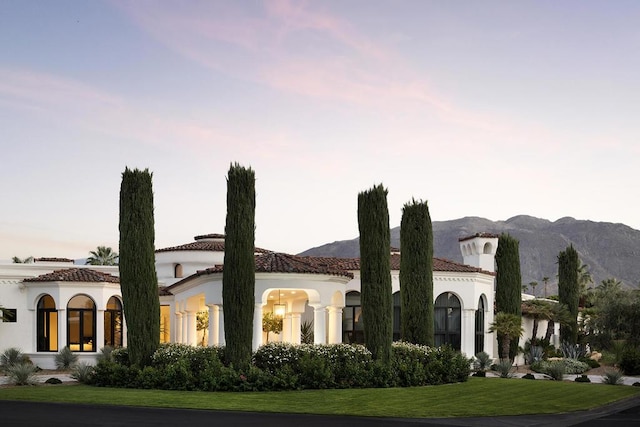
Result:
pixel 508 282
pixel 569 291
pixel 238 277
pixel 416 274
pixel 375 271
pixel 138 279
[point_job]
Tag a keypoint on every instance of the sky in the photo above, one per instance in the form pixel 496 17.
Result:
pixel 490 109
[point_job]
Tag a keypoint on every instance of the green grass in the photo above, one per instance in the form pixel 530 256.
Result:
pixel 477 397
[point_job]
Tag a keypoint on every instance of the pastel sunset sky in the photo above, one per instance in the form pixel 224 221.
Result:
pixel 482 108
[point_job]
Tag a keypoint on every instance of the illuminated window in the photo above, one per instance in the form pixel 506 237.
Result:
pixel 47 324
pixel 81 324
pixel 113 323
pixel 165 323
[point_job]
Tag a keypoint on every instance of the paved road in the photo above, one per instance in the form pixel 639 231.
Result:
pixel 21 414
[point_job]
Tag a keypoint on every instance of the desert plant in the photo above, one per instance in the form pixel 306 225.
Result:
pixel 23 373
pixel 65 359
pixel 612 377
pixel 556 370
pixel 306 332
pixel 12 356
pixel 573 351
pixel 535 354
pixel 82 372
pixel 105 355
pixel 482 362
pixel 505 368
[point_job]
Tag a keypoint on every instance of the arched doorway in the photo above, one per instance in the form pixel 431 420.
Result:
pixel 448 320
pixel 47 324
pixel 81 324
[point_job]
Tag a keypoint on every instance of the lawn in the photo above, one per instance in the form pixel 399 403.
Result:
pixel 477 397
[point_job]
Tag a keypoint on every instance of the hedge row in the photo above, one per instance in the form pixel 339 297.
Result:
pixel 279 366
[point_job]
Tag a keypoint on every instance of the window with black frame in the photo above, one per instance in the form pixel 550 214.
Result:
pixel 352 328
pixel 447 320
pixel 81 324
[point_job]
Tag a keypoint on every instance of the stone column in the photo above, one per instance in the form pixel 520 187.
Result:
pixel 213 337
pixel 468 332
pixel 257 326
pixel 99 338
pixel 295 328
pixel 221 337
pixel 192 334
pixel 335 325
pixel 319 325
pixel 62 329
pixel 286 328
pixel 178 327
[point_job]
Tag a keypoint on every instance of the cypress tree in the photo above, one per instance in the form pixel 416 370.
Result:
pixel 138 279
pixel 238 277
pixel 416 274
pixel 375 272
pixel 569 291
pixel 508 282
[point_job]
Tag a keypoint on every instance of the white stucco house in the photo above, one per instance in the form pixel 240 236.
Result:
pixel 53 303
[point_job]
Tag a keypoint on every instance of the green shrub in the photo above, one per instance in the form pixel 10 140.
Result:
pixel 570 366
pixel 592 363
pixel 556 370
pixel 23 373
pixel 120 355
pixel 630 361
pixel 65 359
pixel 582 379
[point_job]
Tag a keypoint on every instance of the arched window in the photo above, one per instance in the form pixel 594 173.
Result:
pixel 447 319
pixel 81 324
pixel 397 322
pixel 352 329
pixel 487 248
pixel 480 326
pixel 47 324
pixel 177 271
pixel 113 323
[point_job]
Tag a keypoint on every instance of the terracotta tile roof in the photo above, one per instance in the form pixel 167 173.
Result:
pixel 274 262
pixel 209 236
pixel 163 291
pixel 439 264
pixel 473 236
pixel 202 245
pixel 53 260
pixel 75 275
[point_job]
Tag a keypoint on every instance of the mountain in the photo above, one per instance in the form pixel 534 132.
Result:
pixel 609 250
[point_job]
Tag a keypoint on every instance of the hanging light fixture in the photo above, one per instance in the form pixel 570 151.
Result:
pixel 279 309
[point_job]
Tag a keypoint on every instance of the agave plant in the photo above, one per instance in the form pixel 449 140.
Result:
pixel 612 377
pixel 23 373
pixel 12 356
pixel 482 361
pixel 82 372
pixel 65 359
pixel 505 368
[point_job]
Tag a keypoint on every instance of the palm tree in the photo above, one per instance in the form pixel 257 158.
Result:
pixel 508 326
pixel 538 310
pixel 102 256
pixel 559 314
pixel 584 278
pixel 27 260
pixel 545 280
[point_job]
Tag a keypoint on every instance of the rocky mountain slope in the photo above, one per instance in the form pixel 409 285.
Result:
pixel 609 250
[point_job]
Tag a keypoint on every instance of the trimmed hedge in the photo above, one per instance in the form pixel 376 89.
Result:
pixel 280 366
